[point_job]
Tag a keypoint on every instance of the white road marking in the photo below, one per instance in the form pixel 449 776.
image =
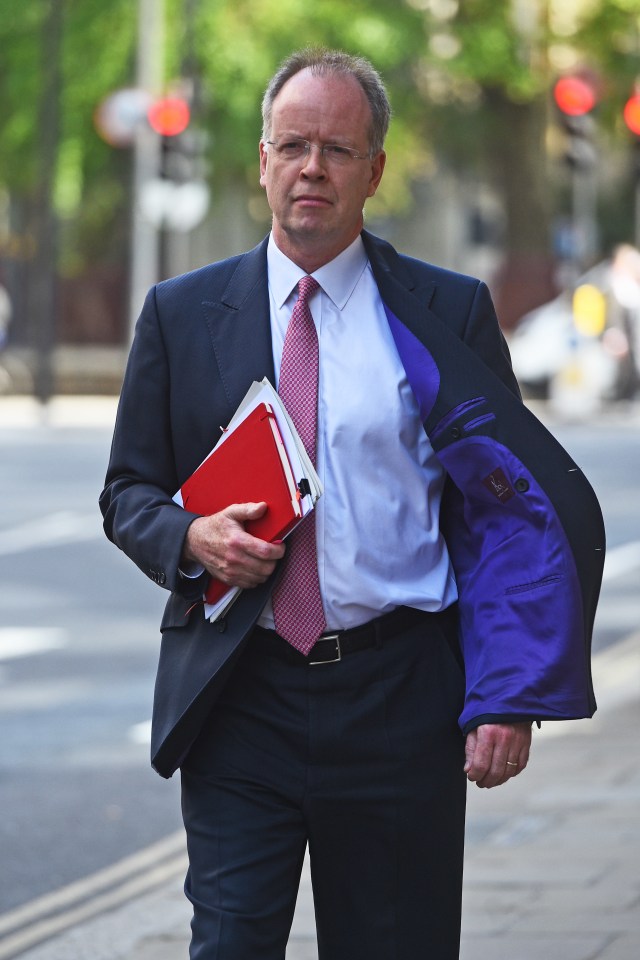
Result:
pixel 65 526
pixel 621 560
pixel 27 641
pixel 18 412
pixel 108 888
pixel 140 733
pixel 616 672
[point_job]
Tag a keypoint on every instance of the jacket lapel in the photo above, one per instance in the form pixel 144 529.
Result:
pixel 407 298
pixel 239 327
pixel 443 371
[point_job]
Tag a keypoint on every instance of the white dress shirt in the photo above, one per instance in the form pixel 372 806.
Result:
pixel 378 537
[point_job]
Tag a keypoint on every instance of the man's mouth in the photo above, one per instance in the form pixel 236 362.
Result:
pixel 312 200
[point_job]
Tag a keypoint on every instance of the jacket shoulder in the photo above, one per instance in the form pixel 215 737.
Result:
pixel 210 281
pixel 421 272
pixel 424 270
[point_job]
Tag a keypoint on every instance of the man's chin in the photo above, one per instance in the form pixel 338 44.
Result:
pixel 314 222
pixel 307 232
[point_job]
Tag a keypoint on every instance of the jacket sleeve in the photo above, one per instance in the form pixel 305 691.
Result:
pixel 140 516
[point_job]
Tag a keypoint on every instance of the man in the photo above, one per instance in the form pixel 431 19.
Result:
pixel 452 525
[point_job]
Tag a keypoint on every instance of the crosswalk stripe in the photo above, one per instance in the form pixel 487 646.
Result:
pixel 140 732
pixel 621 560
pixel 27 641
pixel 61 527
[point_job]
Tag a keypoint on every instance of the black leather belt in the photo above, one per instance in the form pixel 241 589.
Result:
pixel 334 645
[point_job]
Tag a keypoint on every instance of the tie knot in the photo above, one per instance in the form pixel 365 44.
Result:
pixel 307 286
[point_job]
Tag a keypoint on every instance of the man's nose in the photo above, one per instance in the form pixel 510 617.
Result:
pixel 314 163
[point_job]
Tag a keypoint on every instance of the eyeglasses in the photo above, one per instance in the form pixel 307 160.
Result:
pixel 295 148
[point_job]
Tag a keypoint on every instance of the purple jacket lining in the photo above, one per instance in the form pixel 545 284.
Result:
pixel 520 598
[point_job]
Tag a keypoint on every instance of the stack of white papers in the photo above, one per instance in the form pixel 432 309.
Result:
pixel 304 473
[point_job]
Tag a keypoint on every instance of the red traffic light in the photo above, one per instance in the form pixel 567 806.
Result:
pixel 169 116
pixel 631 113
pixel 574 96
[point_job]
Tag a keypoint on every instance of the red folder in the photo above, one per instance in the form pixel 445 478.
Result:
pixel 249 466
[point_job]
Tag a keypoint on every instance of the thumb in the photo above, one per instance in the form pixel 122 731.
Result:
pixel 241 512
pixel 470 748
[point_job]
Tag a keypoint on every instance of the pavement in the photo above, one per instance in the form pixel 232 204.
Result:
pixel 552 857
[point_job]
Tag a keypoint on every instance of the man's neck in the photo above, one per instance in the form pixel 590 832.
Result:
pixel 309 256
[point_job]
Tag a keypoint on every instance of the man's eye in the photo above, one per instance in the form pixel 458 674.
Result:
pixel 335 150
pixel 292 146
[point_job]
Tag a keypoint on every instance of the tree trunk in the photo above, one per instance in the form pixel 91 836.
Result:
pixel 518 155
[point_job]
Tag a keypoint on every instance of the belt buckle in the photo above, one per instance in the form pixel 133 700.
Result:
pixel 336 659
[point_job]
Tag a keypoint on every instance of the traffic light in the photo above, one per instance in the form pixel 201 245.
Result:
pixel 631 113
pixel 575 97
pixel 169 117
pixel 177 197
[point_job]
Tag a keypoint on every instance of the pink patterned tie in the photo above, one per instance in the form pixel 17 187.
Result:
pixel 297 605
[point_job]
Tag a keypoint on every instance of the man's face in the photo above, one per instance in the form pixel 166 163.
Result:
pixel 316 204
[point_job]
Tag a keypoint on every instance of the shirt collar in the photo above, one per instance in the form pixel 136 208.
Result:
pixel 338 278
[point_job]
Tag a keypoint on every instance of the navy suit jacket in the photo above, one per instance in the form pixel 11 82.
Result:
pixel 522 524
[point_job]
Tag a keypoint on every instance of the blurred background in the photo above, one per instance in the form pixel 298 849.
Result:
pixel 128 153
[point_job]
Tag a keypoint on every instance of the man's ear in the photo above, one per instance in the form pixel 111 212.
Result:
pixel 377 169
pixel 263 163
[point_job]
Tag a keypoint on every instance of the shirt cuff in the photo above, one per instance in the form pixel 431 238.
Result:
pixel 191 570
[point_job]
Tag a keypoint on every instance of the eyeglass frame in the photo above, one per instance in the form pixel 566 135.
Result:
pixel 349 151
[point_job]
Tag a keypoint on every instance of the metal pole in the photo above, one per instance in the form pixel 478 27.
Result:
pixel 149 77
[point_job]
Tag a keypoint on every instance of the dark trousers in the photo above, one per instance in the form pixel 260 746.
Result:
pixel 363 761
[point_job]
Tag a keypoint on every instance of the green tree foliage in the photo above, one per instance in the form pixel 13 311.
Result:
pixel 96 58
pixel 470 84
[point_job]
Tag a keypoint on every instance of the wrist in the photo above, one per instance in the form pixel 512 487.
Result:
pixel 189 555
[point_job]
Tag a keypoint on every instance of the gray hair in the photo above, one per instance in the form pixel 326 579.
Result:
pixel 333 63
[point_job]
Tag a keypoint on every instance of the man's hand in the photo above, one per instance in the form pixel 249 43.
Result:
pixel 230 554
pixel 496 752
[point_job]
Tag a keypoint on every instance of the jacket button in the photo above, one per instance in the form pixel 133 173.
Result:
pixel 162 578
pixel 521 485
pixel 455 432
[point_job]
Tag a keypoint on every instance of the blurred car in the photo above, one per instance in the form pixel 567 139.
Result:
pixel 584 343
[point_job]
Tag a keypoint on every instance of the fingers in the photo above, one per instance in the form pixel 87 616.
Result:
pixel 230 554
pixel 497 752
